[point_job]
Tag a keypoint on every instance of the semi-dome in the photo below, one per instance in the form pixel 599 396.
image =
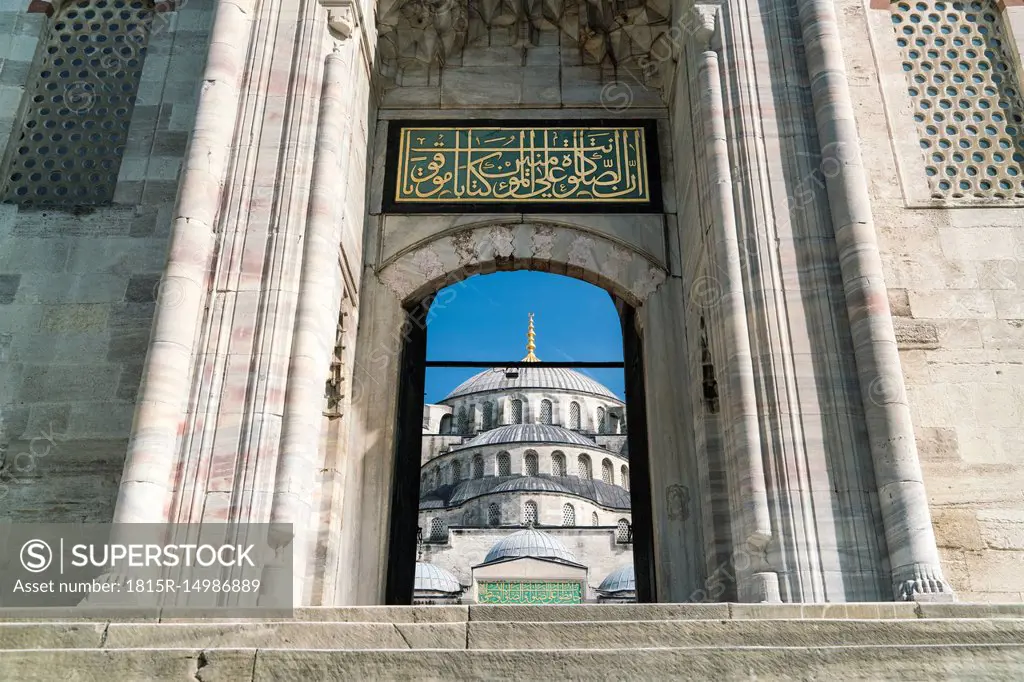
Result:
pixel 528 433
pixel 529 543
pixel 555 378
pixel 620 580
pixel 431 578
pixel 530 484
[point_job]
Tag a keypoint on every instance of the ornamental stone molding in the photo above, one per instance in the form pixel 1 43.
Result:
pixel 342 17
pixel 614 33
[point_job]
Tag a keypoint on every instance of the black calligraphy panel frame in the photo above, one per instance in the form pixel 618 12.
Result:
pixel 654 203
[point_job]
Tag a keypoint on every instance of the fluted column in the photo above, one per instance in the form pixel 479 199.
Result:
pixel 913 554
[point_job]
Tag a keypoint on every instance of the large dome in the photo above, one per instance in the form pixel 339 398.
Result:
pixel 525 484
pixel 529 543
pixel 430 578
pixel 528 433
pixel 558 378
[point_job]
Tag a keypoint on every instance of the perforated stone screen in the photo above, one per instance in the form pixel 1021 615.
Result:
pixel 530 513
pixel 478 467
pixel 504 464
pixel 517 411
pixel 530 464
pixel 606 472
pixel 622 531
pixel 78 102
pixel 583 466
pixel 967 100
pixel 624 472
pixel 493 515
pixel 558 465
pixel 568 516
pixel 594 520
pixel 545 412
pixel 456 471
pixel 574 415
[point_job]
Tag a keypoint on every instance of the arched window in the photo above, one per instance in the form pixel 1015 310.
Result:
pixel 437 477
pixel 446 424
pixel 493 514
pixel 625 476
pixel 568 516
pixel 478 466
pixel 517 412
pixel 530 513
pixel 600 420
pixel 545 411
pixel 504 464
pixel 488 416
pixel 607 474
pixel 436 530
pixel 463 421
pixel 574 415
pixel 557 464
pixel 530 464
pixel 613 423
pixel 456 471
pixel 622 531
pixel 593 520
pixel 583 466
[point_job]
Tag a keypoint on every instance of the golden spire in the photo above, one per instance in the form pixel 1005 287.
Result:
pixel 530 345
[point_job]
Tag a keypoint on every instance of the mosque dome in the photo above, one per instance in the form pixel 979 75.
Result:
pixel 528 433
pixel 523 484
pixel 430 578
pixel 555 378
pixel 620 580
pixel 529 543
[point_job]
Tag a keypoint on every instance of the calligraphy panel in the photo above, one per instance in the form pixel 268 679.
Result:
pixel 504 592
pixel 508 166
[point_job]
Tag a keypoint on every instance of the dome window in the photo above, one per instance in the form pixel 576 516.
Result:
pixel 530 513
pixel 558 464
pixel 478 466
pixel 463 421
pixel 623 531
pixel 530 464
pixel 568 516
pixel 504 464
pixel 625 476
pixel 493 515
pixel 437 531
pixel 600 420
pixel 607 474
pixel 574 415
pixel 456 471
pixel 545 412
pixel 594 520
pixel 583 466
pixel 517 411
pixel 488 411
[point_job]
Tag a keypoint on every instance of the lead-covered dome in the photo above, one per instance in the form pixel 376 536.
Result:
pixel 620 580
pixel 528 433
pixel 431 578
pixel 529 543
pixel 556 378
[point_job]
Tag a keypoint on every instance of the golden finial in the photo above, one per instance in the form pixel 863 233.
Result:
pixel 530 345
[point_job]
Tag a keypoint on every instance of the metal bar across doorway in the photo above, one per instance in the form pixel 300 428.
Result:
pixel 518 363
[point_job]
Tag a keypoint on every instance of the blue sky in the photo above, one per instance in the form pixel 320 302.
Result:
pixel 485 318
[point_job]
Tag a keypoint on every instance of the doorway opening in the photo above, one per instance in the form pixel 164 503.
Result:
pixel 521 470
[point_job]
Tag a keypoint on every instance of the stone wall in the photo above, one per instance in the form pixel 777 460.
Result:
pixel 78 285
pixel 955 272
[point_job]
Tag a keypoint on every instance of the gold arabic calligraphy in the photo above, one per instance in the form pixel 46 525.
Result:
pixel 455 165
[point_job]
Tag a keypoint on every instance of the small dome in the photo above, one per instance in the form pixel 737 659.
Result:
pixel 620 580
pixel 529 543
pixel 430 578
pixel 529 484
pixel 529 433
pixel 557 378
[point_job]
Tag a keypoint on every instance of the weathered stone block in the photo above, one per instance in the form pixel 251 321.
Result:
pixel 9 288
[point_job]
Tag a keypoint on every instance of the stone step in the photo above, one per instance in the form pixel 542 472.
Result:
pixel 900 662
pixel 512 635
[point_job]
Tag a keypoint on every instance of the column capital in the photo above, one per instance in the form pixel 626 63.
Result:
pixel 706 18
pixel 342 18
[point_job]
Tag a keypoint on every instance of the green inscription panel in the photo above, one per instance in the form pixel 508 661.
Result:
pixel 530 593
pixel 517 165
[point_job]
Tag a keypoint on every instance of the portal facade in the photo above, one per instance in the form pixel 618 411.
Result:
pixel 809 215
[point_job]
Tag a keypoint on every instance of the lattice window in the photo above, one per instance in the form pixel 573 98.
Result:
pixel 493 515
pixel 530 513
pixel 583 466
pixel 594 520
pixel 574 415
pixel 67 147
pixel 530 464
pixel 600 420
pixel 488 416
pixel 568 515
pixel 437 477
pixel 606 472
pixel 478 466
pixel 504 464
pixel 558 464
pixel 517 411
pixel 463 421
pixel 437 530
pixel 624 473
pixel 456 471
pixel 966 98
pixel 545 412
pixel 622 531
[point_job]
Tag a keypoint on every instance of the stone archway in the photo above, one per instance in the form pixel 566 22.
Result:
pixel 393 316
